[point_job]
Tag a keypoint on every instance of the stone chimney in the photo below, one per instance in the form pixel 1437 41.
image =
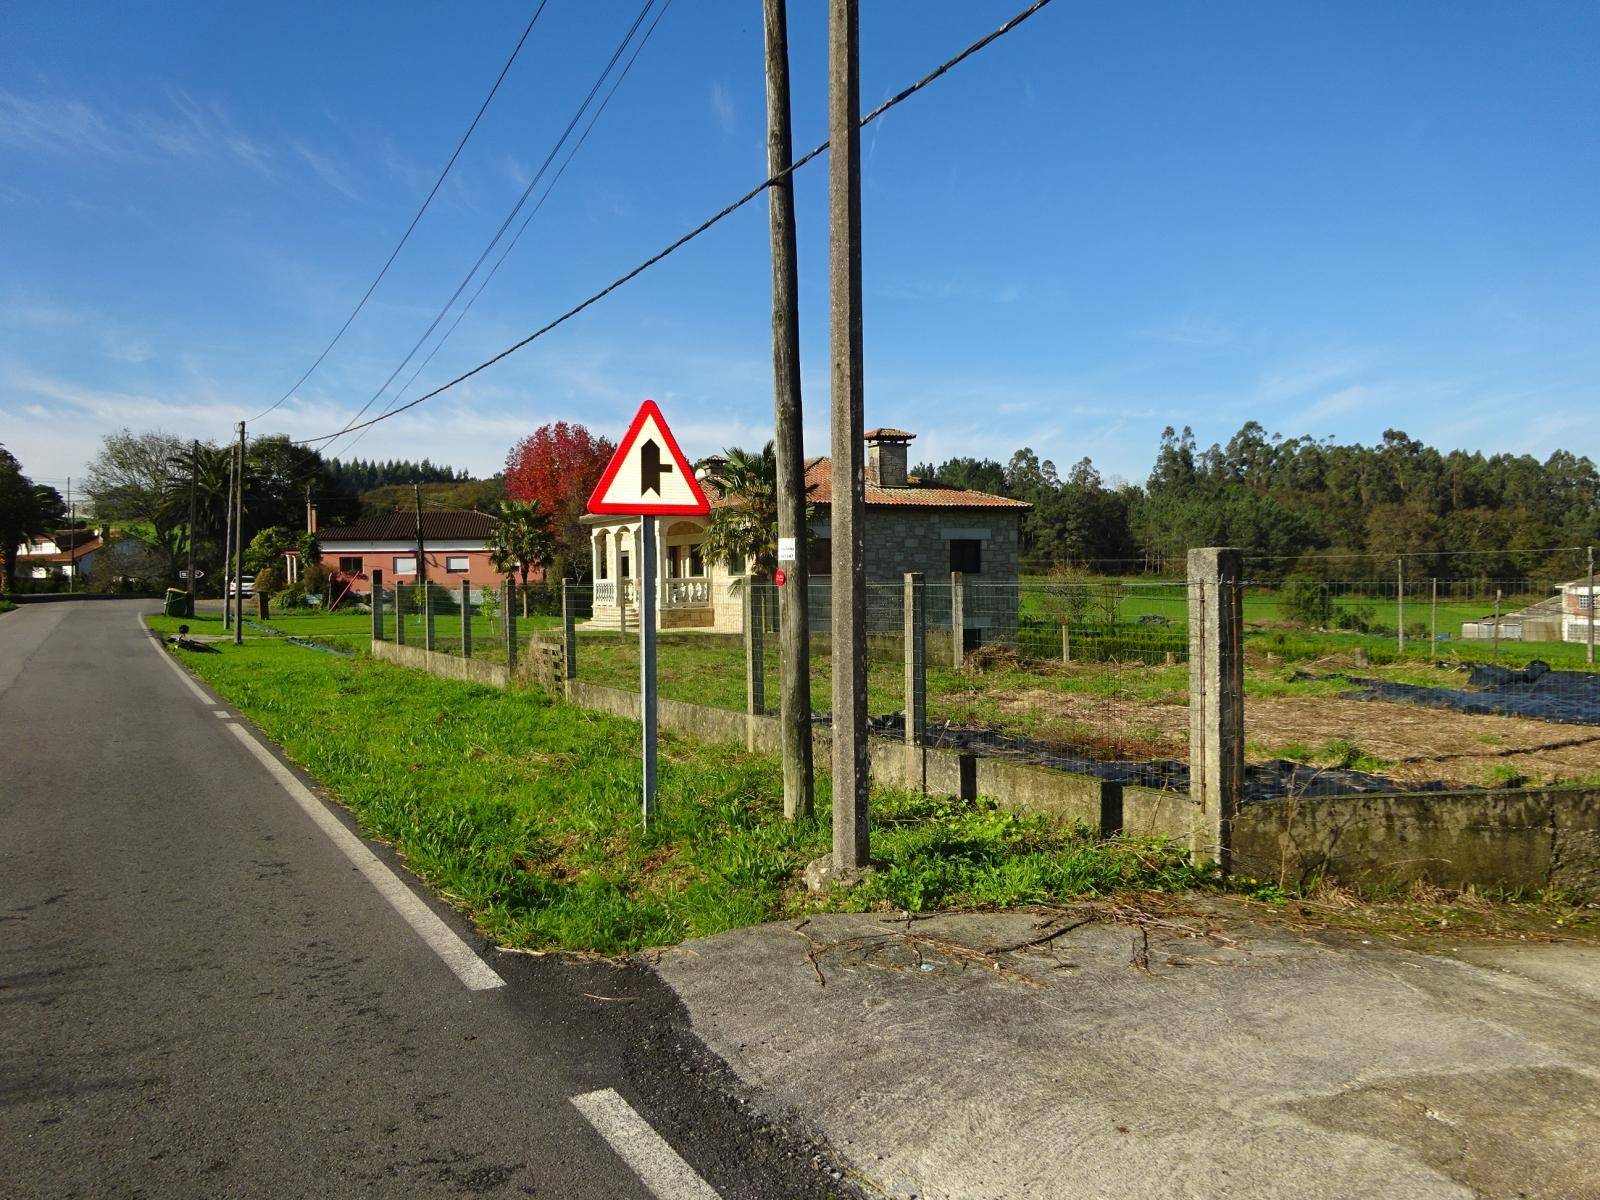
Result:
pixel 886 457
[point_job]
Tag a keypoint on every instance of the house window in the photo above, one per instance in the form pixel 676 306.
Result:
pixel 623 565
pixel 966 556
pixel 349 564
pixel 1583 601
pixel 697 564
pixel 455 564
pixel 405 564
pixel 819 556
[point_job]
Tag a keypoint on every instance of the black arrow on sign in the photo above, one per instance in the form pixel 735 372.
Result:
pixel 651 468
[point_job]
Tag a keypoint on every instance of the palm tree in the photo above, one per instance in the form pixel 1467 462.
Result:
pixel 520 541
pixel 745 527
pixel 26 509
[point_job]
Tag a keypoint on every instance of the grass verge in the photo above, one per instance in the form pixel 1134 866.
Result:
pixel 524 813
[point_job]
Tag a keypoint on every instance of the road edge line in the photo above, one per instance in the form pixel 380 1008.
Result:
pixel 471 970
pixel 658 1166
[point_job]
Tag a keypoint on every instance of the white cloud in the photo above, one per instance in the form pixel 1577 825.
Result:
pixel 722 108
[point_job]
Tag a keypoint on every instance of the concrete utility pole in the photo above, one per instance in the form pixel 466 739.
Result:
pixel 227 546
pixel 194 470
pixel 72 540
pixel 1400 604
pixel 1588 655
pixel 238 543
pixel 849 626
pixel 794 635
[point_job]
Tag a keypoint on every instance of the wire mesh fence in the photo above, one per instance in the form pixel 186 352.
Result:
pixel 1403 684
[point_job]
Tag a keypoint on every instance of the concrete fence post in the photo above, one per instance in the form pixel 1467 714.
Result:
pixel 508 607
pixel 755 663
pixel 466 619
pixel 400 614
pixel 569 632
pixel 377 606
pixel 1216 700
pixel 958 620
pixel 916 665
pixel 1066 642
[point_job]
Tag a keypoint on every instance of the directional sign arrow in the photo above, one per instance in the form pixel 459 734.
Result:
pixel 651 468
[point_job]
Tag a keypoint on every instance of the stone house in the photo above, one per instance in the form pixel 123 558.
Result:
pixel 1577 611
pixel 911 525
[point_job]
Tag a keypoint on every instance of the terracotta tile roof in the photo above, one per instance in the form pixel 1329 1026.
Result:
pixel 87 543
pixel 886 434
pixel 457 525
pixel 920 494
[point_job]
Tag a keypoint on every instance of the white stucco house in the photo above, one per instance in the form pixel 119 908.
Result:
pixel 912 525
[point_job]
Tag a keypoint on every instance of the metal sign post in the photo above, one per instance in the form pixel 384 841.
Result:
pixel 647 660
pixel 647 477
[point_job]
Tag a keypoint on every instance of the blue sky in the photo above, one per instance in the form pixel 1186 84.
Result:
pixel 1331 218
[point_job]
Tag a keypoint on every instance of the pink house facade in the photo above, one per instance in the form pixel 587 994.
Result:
pixel 455 548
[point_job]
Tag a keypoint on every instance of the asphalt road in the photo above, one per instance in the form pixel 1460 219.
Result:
pixel 202 995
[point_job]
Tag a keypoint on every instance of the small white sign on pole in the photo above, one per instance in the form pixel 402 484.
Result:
pixel 786 549
pixel 648 477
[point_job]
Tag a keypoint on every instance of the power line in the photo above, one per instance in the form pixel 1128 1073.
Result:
pixel 523 228
pixel 395 253
pixel 505 224
pixel 894 100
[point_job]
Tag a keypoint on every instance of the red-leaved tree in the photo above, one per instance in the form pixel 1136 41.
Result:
pixel 557 466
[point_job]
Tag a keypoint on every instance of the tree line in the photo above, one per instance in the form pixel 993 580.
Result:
pixel 1304 506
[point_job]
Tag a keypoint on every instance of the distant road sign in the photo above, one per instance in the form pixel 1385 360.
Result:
pixel 197 574
pixel 648 475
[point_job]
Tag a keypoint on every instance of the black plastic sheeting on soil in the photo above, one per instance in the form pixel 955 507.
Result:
pixel 1565 697
pixel 1262 781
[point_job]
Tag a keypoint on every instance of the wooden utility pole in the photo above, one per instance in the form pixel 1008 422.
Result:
pixel 227 546
pixel 72 540
pixel 422 561
pixel 849 626
pixel 238 544
pixel 794 635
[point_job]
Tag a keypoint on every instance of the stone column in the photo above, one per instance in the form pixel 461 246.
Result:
pixel 958 619
pixel 377 605
pixel 466 619
pixel 1216 700
pixel 916 662
pixel 569 632
pixel 510 624
pixel 755 665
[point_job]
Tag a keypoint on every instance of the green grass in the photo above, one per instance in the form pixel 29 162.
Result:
pixel 6 605
pixel 524 813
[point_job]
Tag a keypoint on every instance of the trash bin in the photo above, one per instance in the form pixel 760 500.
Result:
pixel 178 603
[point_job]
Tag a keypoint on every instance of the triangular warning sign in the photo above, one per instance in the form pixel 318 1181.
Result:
pixel 648 474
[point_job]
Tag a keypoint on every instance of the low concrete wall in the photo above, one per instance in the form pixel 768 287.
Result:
pixel 1513 839
pixel 446 666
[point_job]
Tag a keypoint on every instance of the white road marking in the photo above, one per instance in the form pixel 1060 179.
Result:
pixel 441 939
pixel 655 1163
pixel 220 712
